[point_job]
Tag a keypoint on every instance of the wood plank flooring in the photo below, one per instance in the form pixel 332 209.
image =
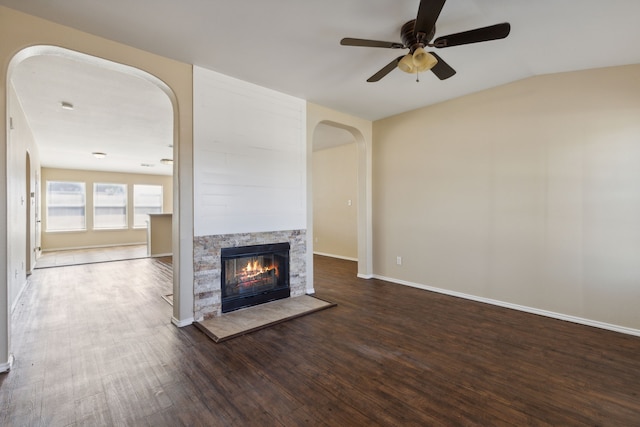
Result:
pixel 94 346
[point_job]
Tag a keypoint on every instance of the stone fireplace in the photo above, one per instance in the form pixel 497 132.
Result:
pixel 231 253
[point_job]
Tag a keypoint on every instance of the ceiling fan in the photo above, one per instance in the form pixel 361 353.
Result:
pixel 418 33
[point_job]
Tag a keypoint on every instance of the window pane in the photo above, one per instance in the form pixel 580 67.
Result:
pixel 109 206
pixel 146 199
pixel 65 206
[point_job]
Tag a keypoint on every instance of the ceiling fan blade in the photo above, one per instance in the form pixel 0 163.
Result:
pixel 385 70
pixel 493 32
pixel 348 41
pixel 428 13
pixel 442 70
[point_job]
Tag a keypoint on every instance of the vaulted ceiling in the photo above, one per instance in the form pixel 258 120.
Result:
pixel 293 46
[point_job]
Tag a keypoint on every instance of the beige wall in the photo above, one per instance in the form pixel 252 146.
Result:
pixel 19 31
pixel 160 235
pixel 335 196
pixel 528 193
pixel 96 238
pixel 22 200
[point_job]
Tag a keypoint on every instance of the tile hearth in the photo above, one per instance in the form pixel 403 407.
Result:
pixel 251 319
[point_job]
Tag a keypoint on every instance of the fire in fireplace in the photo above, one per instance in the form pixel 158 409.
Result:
pixel 253 275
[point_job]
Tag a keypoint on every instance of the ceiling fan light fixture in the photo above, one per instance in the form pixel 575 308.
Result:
pixel 406 64
pixel 423 60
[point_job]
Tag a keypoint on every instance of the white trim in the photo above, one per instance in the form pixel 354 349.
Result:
pixel 182 323
pixel 6 367
pixel 161 255
pixel 533 310
pixel 335 256
pixel 366 276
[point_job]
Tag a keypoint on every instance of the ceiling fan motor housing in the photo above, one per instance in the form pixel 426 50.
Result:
pixel 411 40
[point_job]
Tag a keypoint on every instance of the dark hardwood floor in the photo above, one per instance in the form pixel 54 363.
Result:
pixel 94 346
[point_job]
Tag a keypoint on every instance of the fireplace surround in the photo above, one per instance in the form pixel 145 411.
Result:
pixel 208 265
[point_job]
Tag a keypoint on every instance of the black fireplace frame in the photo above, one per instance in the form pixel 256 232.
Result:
pixel 231 303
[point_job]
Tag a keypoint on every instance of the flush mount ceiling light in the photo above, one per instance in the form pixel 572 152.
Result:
pixel 99 155
pixel 166 161
pixel 66 105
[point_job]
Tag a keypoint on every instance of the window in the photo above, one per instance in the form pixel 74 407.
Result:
pixel 109 206
pixel 65 206
pixel 146 199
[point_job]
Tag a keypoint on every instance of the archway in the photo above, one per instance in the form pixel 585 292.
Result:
pixel 27 174
pixel 362 133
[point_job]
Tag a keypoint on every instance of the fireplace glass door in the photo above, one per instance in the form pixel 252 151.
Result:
pixel 254 275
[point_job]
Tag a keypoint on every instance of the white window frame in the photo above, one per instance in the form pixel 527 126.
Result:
pixel 81 203
pixel 97 205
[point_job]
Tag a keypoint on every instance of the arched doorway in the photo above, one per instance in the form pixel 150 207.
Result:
pixel 22 177
pixel 361 130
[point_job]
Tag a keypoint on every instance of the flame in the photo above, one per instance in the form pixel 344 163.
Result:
pixel 254 268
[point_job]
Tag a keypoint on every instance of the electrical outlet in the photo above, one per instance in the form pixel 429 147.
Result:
pixel 399 260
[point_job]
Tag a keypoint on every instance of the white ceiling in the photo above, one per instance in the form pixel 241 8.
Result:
pixel 293 45
pixel 128 118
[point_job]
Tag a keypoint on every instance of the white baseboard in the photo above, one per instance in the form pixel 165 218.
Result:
pixel 366 276
pixel 6 367
pixel 335 256
pixel 533 310
pixel 161 255
pixel 182 323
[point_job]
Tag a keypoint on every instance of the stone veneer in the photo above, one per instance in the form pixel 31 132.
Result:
pixel 207 266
